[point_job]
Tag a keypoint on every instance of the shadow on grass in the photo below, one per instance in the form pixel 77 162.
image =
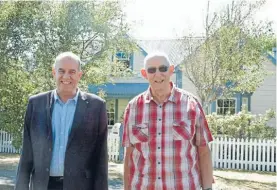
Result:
pixel 10 167
pixel 7 156
pixel 115 176
pixel 247 184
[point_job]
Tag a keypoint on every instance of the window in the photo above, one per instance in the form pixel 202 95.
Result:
pixel 225 106
pixel 111 111
pixel 124 58
pixel 245 103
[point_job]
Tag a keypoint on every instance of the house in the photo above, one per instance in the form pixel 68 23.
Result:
pixel 258 102
pixel 119 93
pixel 264 97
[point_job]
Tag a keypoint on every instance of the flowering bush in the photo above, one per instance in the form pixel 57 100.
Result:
pixel 242 125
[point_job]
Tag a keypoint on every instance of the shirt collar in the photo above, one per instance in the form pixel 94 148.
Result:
pixel 172 97
pixel 75 98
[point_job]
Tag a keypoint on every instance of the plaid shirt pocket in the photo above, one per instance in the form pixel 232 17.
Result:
pixel 182 131
pixel 140 133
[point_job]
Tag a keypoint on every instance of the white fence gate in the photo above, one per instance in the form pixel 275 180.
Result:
pixel 6 143
pixel 113 146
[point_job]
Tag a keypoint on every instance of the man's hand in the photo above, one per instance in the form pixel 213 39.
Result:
pixel 128 152
pixel 206 167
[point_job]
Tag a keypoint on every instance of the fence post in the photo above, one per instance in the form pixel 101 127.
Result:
pixel 121 148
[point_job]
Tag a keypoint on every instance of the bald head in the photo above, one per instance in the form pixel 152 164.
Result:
pixel 157 56
pixel 68 55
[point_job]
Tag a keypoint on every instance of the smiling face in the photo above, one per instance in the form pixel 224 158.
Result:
pixel 158 72
pixel 67 75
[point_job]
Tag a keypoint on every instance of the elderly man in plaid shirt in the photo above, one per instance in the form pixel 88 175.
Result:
pixel 166 135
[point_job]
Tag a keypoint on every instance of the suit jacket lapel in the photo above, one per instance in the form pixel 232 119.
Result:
pixel 79 115
pixel 49 110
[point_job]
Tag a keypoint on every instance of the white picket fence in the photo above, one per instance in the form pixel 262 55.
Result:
pixel 113 145
pixel 227 153
pixel 245 154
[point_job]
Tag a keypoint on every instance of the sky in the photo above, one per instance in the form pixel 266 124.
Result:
pixel 164 19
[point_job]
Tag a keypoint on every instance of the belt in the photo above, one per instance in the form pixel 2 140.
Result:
pixel 56 178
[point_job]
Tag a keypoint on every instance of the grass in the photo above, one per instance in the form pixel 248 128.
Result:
pixel 8 161
pixel 8 156
pixel 6 187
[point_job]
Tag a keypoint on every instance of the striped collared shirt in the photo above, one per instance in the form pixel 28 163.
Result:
pixel 62 118
pixel 165 139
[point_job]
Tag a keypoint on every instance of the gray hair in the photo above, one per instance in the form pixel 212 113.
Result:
pixel 68 55
pixel 157 55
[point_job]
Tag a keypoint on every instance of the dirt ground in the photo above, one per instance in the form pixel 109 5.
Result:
pixel 224 179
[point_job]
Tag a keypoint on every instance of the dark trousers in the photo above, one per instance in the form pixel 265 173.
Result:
pixel 55 183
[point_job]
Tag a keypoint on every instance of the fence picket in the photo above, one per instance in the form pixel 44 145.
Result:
pixel 273 153
pixel 217 153
pixel 246 154
pixel 263 155
pixel 225 152
pixel 250 155
pixel 242 161
pixel 230 144
pixel 268 143
pixel 259 154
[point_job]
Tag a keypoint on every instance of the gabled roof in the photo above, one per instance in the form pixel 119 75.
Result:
pixel 176 49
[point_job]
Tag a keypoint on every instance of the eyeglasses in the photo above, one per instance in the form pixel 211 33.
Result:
pixel 162 69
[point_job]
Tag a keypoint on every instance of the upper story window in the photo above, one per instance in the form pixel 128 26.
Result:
pixel 225 106
pixel 124 58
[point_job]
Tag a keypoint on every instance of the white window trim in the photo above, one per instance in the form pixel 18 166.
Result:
pixel 236 103
pixel 108 110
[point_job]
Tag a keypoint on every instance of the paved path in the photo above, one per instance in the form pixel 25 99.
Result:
pixel 7 178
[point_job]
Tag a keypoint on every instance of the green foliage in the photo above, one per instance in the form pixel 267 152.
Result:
pixel 242 125
pixel 32 34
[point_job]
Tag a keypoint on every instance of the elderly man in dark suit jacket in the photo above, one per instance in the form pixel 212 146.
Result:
pixel 65 135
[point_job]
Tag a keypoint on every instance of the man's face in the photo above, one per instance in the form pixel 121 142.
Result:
pixel 67 75
pixel 158 73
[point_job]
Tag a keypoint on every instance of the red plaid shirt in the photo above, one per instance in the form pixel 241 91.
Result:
pixel 165 139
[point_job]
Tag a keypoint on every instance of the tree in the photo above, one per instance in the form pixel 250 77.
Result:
pixel 229 59
pixel 32 34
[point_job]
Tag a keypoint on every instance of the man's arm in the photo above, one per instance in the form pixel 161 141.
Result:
pixel 101 164
pixel 26 159
pixel 203 137
pixel 127 167
pixel 206 168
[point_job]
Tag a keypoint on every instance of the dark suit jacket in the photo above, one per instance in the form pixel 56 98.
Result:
pixel 86 160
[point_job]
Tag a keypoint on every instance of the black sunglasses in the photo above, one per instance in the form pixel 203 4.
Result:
pixel 162 69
